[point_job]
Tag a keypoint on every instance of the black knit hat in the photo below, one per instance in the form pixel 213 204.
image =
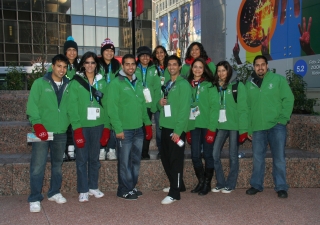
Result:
pixel 107 44
pixel 70 43
pixel 144 50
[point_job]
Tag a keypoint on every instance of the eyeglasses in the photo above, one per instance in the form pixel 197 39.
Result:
pixel 92 63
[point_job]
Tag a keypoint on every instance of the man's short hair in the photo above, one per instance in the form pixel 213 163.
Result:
pixel 260 57
pixel 174 57
pixel 128 56
pixel 60 57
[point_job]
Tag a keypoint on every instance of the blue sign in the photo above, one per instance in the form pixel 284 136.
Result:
pixel 300 67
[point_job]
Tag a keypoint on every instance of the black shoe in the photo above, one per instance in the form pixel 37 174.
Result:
pixel 137 192
pixel 129 196
pixel 282 194
pixel 159 156
pixel 145 157
pixel 252 191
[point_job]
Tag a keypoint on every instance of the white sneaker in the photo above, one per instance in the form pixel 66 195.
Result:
pixel 102 155
pixel 167 189
pixel 111 155
pixel 216 189
pixel 226 190
pixel 84 197
pixel 96 192
pixel 58 198
pixel 35 206
pixel 167 200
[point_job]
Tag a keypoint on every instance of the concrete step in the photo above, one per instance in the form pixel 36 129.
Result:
pixel 303 170
pixel 13 105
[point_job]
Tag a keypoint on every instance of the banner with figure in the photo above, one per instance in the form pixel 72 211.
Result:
pixel 174 32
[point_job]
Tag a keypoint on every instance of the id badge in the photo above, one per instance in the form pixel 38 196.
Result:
pixel 98 112
pixel 196 111
pixel 147 95
pixel 222 116
pixel 191 116
pixel 162 80
pixel 92 113
pixel 167 111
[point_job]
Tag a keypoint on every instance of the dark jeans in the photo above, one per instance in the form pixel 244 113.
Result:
pixel 197 142
pixel 38 165
pixel 221 138
pixel 129 157
pixel 156 117
pixel 172 158
pixel 112 143
pixel 146 143
pixel 87 159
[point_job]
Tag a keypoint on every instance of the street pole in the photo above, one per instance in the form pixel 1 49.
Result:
pixel 133 21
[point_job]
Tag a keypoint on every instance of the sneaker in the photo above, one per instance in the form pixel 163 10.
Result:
pixel 102 155
pixel 216 189
pixel 252 191
pixel 282 194
pixel 58 198
pixel 226 190
pixel 167 189
pixel 96 192
pixel 84 197
pixel 35 206
pixel 71 152
pixel 135 191
pixel 167 200
pixel 129 196
pixel 111 155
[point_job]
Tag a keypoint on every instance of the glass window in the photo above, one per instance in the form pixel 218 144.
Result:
pixel 1 36
pixel 89 36
pixel 101 8
pixel 38 48
pixel 10 32
pixel 24 63
pixel 64 6
pixel 113 34
pixel 25 49
pixel 12 57
pixel 101 21
pixel 24 16
pixel 146 24
pixel 9 15
pixel 89 7
pixel 64 18
pixel 77 19
pixel 52 33
pixel 39 36
pixel 101 34
pixel 76 8
pixel 26 58
pixel 113 8
pixel 53 49
pixel 124 23
pixel 52 17
pixel 37 16
pixel 24 4
pixel 1 47
pixel 113 22
pixel 80 51
pixel 89 20
pixel 89 49
pixel 38 6
pixel 24 32
pixel 77 33
pixel 11 48
pixel 9 4
pixel 51 6
pixel 64 32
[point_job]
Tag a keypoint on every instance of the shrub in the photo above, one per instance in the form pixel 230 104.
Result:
pixel 15 78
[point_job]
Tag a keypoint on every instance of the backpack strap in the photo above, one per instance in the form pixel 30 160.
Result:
pixel 96 94
pixel 235 91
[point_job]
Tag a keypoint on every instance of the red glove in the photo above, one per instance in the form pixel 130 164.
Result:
pixel 243 137
pixel 148 132
pixel 79 138
pixel 210 136
pixel 105 137
pixel 40 131
pixel 188 137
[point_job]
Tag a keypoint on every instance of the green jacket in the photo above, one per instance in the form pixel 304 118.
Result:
pixel 236 113
pixel 151 81
pixel 185 70
pixel 79 101
pixel 206 98
pixel 70 72
pixel 126 105
pixel 179 99
pixel 111 75
pixel 270 104
pixel 43 108
pixel 163 80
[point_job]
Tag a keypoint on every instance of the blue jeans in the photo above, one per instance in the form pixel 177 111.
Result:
pixel 38 165
pixel 198 142
pixel 129 157
pixel 276 137
pixel 112 143
pixel 221 138
pixel 87 159
pixel 158 130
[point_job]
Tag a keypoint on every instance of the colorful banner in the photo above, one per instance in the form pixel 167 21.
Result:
pixel 174 32
pixel 163 34
pixel 184 28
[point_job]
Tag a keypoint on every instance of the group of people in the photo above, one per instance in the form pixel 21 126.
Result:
pixel 198 102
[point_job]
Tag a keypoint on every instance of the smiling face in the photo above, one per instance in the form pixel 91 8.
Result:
pixel 59 69
pixel 71 54
pixel 108 54
pixel 144 59
pixel 260 67
pixel 197 70
pixel 195 51
pixel 173 67
pixel 160 55
pixel 90 65
pixel 129 66
pixel 222 73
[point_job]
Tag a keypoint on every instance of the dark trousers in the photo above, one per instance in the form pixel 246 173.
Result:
pixel 172 157
pixel 146 143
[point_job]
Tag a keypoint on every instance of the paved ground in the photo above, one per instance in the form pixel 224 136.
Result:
pixel 302 207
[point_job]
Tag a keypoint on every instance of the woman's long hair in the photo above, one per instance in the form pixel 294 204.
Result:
pixel 84 58
pixel 115 65
pixel 207 74
pixel 228 67
pixel 203 53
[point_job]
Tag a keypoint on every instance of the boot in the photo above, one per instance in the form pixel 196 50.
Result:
pixel 207 181
pixel 200 175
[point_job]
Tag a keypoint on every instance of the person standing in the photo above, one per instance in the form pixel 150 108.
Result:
pixel 126 106
pixel 270 102
pixel 174 116
pixel 204 119
pixel 109 67
pixel 233 120
pixel 90 123
pixel 47 111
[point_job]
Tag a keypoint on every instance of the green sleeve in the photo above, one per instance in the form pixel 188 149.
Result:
pixel 214 108
pixel 73 106
pixel 287 100
pixel 247 86
pixel 113 95
pixel 104 104
pixel 212 67
pixel 156 93
pixel 185 70
pixel 242 108
pixel 33 102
